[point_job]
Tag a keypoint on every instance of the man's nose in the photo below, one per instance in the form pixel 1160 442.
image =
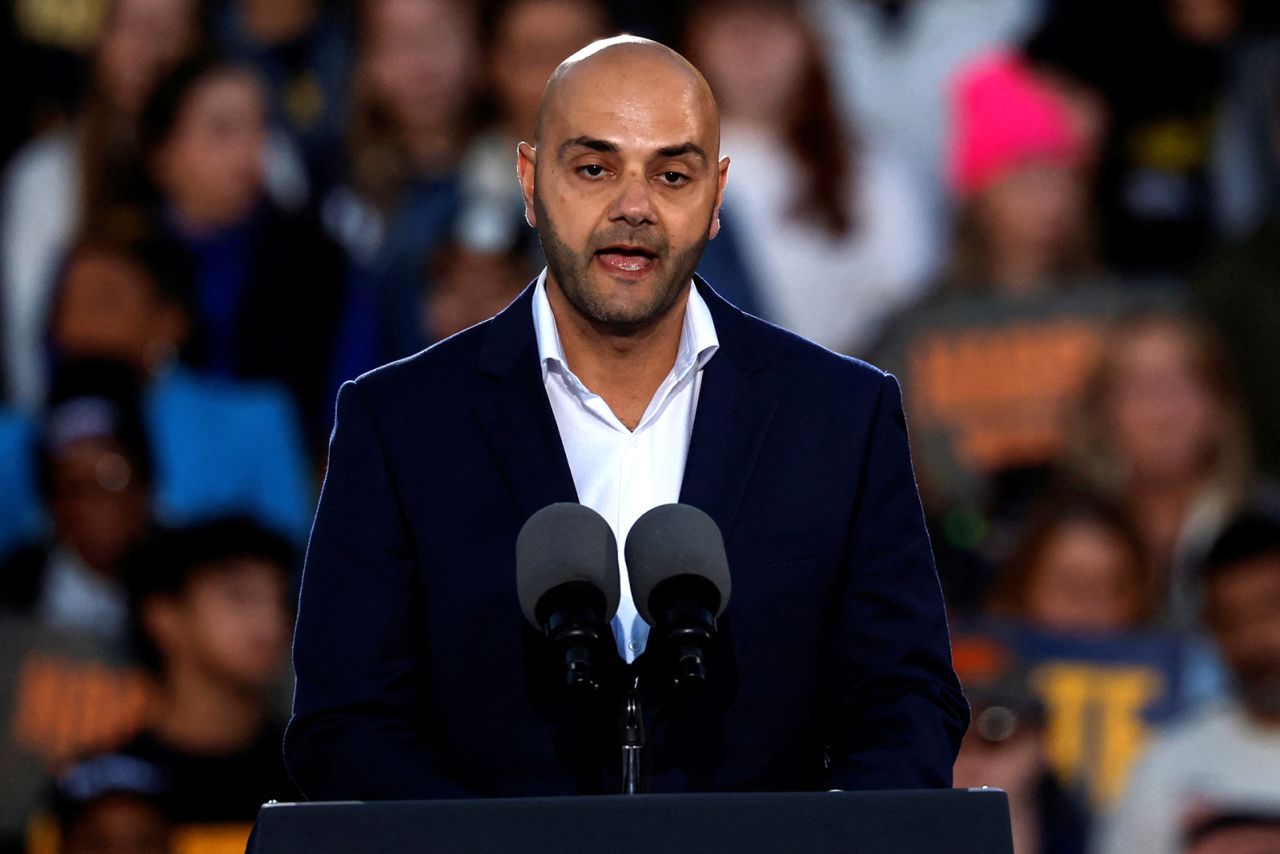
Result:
pixel 634 202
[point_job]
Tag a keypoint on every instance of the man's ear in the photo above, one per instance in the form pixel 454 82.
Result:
pixel 526 160
pixel 722 179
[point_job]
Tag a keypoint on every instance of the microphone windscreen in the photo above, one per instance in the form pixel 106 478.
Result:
pixel 562 543
pixel 672 540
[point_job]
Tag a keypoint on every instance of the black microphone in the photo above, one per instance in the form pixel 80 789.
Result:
pixel 568 584
pixel 680 582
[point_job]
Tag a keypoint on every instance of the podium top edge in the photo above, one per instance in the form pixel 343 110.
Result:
pixel 873 794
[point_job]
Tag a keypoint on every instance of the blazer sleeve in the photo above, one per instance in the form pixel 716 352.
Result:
pixel 897 713
pixel 360 714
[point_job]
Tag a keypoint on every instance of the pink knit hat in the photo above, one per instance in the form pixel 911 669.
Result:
pixel 1004 117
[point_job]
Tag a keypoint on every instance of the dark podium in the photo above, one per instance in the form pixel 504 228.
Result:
pixel 946 821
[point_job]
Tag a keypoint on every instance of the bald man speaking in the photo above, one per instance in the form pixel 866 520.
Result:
pixel 620 380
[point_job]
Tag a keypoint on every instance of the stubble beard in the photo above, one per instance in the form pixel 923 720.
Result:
pixel 571 272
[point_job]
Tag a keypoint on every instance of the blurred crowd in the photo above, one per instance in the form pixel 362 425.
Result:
pixel 1057 222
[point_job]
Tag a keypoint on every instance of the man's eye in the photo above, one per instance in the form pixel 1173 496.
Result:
pixel 591 170
pixel 674 179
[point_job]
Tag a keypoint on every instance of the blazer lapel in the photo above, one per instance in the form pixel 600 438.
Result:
pixel 736 404
pixel 514 412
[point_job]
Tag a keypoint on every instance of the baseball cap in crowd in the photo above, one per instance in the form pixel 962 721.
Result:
pixel 95 398
pixel 113 802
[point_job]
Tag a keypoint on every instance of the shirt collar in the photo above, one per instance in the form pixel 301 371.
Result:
pixel 698 339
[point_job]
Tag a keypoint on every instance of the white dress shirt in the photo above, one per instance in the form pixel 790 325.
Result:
pixel 617 472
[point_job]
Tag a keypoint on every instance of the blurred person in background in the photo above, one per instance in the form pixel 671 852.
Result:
pixel 1236 832
pixel 19 502
pixel 992 360
pixel 1004 747
pixel 1165 70
pixel 467 287
pixel 1080 569
pixel 1225 759
pixel 302 50
pixel 891 61
pixel 270 286
pixel 220 446
pixel 1246 171
pixel 61 180
pixel 1239 292
pixel 1160 430
pixel 1017 168
pixel 48 46
pixel 413 111
pixel 489 255
pixel 1158 183
pixel 524 41
pixel 95 477
pixel 112 804
pixel 831 227
pixel 27 110
pixel 210 617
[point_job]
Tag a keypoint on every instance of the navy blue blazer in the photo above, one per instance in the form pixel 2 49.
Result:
pixel 418 677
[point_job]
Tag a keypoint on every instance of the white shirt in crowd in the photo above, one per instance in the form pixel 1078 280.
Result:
pixel 1219 761
pixel 39 213
pixel 617 472
pixel 833 289
pixel 78 599
pixel 893 79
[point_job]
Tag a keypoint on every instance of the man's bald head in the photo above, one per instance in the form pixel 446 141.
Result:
pixel 624 184
pixel 605 62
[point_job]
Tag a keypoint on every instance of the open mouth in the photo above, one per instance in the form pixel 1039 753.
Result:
pixel 627 260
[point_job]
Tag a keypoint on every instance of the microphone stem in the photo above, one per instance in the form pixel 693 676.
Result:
pixel 632 742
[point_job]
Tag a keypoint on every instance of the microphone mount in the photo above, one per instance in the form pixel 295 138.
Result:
pixel 572 615
pixel 631 728
pixel 685 606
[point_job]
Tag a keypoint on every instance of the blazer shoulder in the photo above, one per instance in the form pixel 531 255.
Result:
pixel 808 363
pixel 429 374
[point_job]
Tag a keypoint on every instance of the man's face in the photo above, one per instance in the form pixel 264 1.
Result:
pixel 624 189
pixel 211 164
pixel 1244 612
pixel 98 503
pixel 232 622
pixel 109 307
